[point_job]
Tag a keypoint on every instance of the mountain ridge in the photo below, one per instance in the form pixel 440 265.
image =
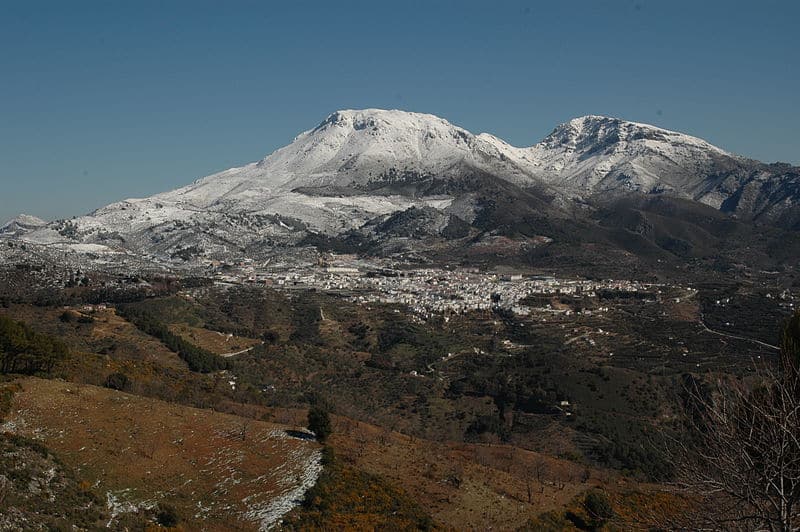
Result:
pixel 360 166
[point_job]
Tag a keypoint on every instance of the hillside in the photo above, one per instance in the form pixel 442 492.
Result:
pixel 218 471
pixel 474 419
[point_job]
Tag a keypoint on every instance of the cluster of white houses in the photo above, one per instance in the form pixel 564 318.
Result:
pixel 426 290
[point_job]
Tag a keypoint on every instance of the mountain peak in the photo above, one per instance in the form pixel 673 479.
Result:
pixel 360 164
pixel 592 132
pixel 22 224
pixel 356 147
pixel 25 220
pixel 376 120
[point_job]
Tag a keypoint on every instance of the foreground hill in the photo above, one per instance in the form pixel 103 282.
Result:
pixel 218 471
pixel 527 416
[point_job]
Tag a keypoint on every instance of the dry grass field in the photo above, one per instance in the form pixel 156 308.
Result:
pixel 220 472
pixel 213 341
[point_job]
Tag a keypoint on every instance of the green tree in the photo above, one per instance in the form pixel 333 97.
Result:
pixel 598 506
pixel 319 422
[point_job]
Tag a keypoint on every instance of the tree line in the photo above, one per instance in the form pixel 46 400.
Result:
pixel 197 358
pixel 24 351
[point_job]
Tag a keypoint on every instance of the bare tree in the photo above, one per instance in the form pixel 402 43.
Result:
pixel 245 426
pixel 742 455
pixel 540 470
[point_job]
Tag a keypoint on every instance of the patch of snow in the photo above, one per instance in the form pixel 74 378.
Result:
pixel 118 504
pixel 270 515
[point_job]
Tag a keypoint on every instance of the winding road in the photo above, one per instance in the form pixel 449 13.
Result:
pixel 746 339
pixel 226 355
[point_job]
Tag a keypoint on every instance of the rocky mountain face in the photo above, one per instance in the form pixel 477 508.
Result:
pixel 374 175
pixel 603 156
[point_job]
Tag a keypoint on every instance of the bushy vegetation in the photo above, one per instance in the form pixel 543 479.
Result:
pixel 118 381
pixel 197 358
pixel 345 498
pixel 590 512
pixel 319 422
pixel 608 404
pixel 598 506
pixel 306 317
pixel 24 351
pixel 167 515
pixel 38 492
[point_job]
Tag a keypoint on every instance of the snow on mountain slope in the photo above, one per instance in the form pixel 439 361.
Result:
pixel 23 222
pixel 346 171
pixel 585 156
pixel 594 154
pixel 353 148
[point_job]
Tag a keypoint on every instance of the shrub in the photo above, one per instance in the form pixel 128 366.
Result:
pixel 167 515
pixel 23 350
pixel 598 506
pixel 118 381
pixel 319 422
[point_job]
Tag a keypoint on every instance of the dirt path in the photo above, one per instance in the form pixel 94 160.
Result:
pixel 226 355
pixel 735 337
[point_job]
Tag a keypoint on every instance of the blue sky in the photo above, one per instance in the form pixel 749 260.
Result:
pixel 103 100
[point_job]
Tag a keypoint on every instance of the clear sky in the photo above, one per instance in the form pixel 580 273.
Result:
pixel 104 100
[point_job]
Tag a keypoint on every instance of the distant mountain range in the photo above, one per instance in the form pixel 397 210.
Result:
pixel 378 179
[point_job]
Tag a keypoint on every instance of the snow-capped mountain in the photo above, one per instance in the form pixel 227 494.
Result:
pixel 24 223
pixel 354 148
pixel 358 167
pixel 601 155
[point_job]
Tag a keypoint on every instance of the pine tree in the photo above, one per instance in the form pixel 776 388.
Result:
pixel 319 422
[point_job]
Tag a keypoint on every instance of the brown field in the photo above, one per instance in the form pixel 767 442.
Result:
pixel 465 486
pixel 221 472
pixel 107 334
pixel 213 341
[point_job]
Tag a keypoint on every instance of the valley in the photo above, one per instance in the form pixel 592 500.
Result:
pixel 456 376
pixel 497 337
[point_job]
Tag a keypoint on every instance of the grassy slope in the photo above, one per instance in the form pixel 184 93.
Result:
pixel 346 498
pixel 215 469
